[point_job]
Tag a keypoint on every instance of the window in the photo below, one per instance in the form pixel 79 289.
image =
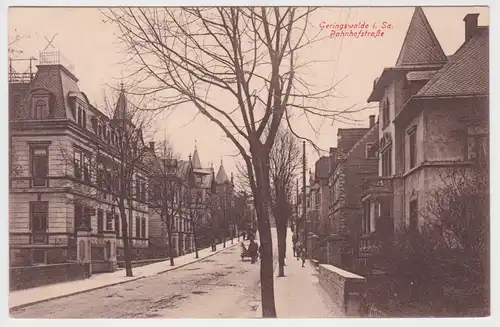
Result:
pixel 100 221
pixel 39 166
pixel 143 228
pixel 137 189
pixel 84 119
pixel 477 144
pixel 77 164
pixel 413 148
pixel 40 110
pixel 413 215
pixel 143 191
pixel 109 221
pixel 385 112
pixel 117 224
pixel 38 256
pixel 82 216
pixel 366 215
pixel 93 121
pixel 39 212
pixel 137 227
pixel 370 150
pixel 386 162
pixel 100 175
pixel 79 121
pixel 99 131
pixel 86 168
pixel 336 190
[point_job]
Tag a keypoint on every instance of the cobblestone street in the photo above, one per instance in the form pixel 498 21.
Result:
pixel 221 286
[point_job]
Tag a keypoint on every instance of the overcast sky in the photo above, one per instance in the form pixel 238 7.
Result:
pixel 90 44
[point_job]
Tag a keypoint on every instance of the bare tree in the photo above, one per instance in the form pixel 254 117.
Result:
pixel 247 56
pixel 284 162
pixel 459 211
pixel 196 212
pixel 169 191
pixel 14 39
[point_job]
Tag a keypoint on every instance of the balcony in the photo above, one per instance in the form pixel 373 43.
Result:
pixel 376 187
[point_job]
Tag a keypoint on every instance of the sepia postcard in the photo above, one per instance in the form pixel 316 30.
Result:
pixel 249 162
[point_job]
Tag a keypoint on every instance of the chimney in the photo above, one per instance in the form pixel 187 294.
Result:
pixel 372 120
pixel 152 146
pixel 470 25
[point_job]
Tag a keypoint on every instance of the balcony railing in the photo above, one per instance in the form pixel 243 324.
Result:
pixel 379 185
pixel 55 58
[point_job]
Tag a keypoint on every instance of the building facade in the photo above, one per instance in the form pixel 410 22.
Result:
pixel 356 160
pixel 434 116
pixel 56 140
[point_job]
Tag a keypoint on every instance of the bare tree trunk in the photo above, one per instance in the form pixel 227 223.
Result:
pixel 126 245
pixel 195 244
pixel 281 230
pixel 264 228
pixel 170 248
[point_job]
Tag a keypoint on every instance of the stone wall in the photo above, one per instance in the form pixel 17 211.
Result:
pixel 344 287
pixel 34 276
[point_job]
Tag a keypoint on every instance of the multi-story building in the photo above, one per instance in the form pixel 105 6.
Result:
pixel 321 194
pixel 356 159
pixel 433 115
pixel 56 138
pixel 166 181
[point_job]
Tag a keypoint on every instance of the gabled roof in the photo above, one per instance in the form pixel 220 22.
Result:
pixel 420 46
pixel 362 141
pixel 467 72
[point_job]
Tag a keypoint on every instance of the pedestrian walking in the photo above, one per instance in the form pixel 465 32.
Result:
pixel 294 241
pixel 298 247
pixel 253 250
pixel 303 255
pixel 214 247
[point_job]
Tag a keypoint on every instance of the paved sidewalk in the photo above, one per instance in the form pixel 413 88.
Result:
pixel 49 292
pixel 299 294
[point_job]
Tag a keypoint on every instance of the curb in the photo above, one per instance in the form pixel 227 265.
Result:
pixel 197 260
pixel 20 306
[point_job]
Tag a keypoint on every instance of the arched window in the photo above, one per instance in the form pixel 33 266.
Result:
pixel 40 109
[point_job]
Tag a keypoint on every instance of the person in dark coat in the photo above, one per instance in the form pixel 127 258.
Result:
pixel 303 255
pixel 253 250
pixel 294 241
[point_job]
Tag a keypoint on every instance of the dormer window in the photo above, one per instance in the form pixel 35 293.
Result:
pixel 79 119
pixel 84 119
pixel 99 133
pixel 93 121
pixel 41 111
